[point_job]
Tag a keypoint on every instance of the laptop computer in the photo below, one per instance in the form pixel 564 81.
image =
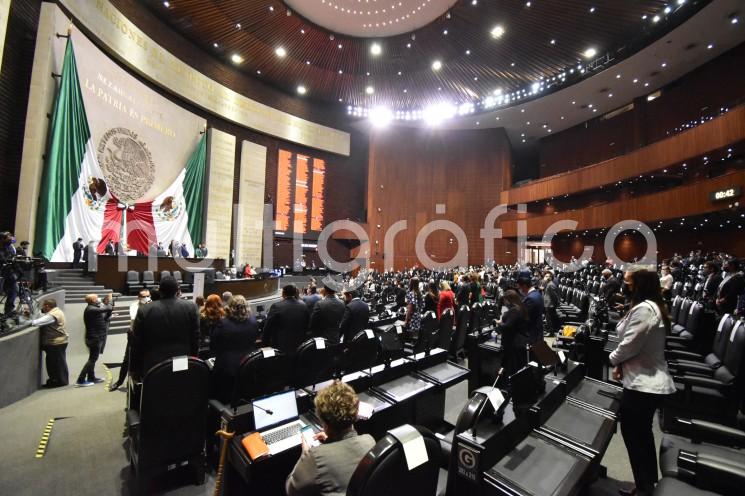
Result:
pixel 276 418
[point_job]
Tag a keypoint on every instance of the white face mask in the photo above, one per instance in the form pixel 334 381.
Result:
pixel 145 300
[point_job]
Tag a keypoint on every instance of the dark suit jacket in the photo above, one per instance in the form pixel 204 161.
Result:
pixel 110 250
pixel 730 290
pixel 534 305
pixel 164 329
pixel 286 325
pixel 326 317
pixel 231 342
pixel 96 319
pixel 611 287
pixel 356 315
pixel 712 286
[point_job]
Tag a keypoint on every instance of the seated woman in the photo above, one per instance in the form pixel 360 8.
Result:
pixel 327 468
pixel 233 338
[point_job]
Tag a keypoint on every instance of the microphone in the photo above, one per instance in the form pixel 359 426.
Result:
pixel 478 414
pixel 269 412
pixel 235 406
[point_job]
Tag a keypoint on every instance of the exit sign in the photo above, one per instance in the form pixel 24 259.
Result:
pixel 725 194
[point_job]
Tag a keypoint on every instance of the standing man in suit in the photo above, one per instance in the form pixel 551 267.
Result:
pixel 533 301
pixel 286 323
pixel 356 315
pixel 731 287
pixel 312 297
pixel 551 301
pixel 164 329
pixel 327 315
pixel 110 250
pixel 95 318
pixel 77 252
pixel 610 286
pixel 711 286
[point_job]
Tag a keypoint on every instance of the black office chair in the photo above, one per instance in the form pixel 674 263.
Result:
pixel 262 372
pixel 461 329
pixel 133 282
pixel 360 353
pixel 445 331
pixel 682 361
pixel 477 311
pixel 391 343
pixel 219 276
pixel 384 469
pixel 428 331
pixel 180 280
pixel 164 273
pixel 314 362
pixel 169 427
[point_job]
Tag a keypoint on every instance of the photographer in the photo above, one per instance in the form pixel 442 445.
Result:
pixel 8 271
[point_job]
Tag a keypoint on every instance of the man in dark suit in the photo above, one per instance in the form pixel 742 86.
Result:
pixel 77 252
pixel 356 315
pixel 286 325
pixel 95 317
pixel 110 250
pixel 164 329
pixel 326 316
pixel 312 297
pixel 713 280
pixel 551 301
pixel 463 294
pixel 533 301
pixel 610 286
pixel 731 287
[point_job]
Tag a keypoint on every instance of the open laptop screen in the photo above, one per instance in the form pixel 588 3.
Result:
pixel 275 409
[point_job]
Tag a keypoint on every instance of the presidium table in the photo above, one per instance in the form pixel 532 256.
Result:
pixel 109 275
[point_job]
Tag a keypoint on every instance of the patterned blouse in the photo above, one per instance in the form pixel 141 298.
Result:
pixel 415 323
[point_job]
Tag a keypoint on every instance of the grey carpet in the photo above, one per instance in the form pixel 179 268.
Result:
pixel 86 456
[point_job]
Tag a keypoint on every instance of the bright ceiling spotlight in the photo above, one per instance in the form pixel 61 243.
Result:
pixel 497 31
pixel 376 49
pixel 280 52
pixel 380 117
pixel 436 114
pixel 436 65
pixel 236 59
pixel 301 90
pixel 590 53
pixel 369 90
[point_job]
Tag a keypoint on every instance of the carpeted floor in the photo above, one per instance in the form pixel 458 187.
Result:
pixel 85 454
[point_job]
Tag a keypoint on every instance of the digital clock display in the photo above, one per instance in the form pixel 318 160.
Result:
pixel 726 193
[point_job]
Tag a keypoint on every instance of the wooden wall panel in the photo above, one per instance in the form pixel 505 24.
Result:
pixel 411 171
pixel 691 199
pixel 715 134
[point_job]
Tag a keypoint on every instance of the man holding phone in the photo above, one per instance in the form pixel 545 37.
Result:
pixel 96 317
pixel 327 467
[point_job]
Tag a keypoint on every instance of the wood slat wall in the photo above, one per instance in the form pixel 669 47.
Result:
pixel 410 171
pixel 705 138
pixel 688 200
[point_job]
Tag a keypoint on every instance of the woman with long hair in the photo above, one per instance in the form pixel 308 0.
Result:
pixel 232 339
pixel 513 328
pixel 639 363
pixel 446 299
pixel 431 297
pixel 212 312
pixel 414 306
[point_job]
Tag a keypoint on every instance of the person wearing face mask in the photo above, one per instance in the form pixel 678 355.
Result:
pixel 94 316
pixel 731 287
pixel 54 340
pixel 533 301
pixel 143 298
pixel 666 282
pixel 551 300
pixel 639 363
pixel 711 285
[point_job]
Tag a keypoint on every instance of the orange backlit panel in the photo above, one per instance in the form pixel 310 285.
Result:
pixel 302 169
pixel 317 199
pixel 284 191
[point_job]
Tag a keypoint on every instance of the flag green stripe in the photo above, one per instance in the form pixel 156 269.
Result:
pixel 69 134
pixel 194 190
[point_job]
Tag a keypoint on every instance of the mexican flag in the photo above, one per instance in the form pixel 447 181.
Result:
pixel 176 213
pixel 73 193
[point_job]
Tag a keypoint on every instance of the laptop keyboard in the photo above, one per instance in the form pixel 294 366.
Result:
pixel 281 434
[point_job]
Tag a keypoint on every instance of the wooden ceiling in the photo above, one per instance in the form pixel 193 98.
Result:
pixel 474 64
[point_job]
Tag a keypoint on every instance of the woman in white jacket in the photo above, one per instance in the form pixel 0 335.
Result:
pixel 639 362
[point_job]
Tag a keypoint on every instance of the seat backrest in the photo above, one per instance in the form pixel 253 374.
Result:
pixel 384 469
pixel 722 335
pixel 148 276
pixel 683 314
pixel 133 277
pixel 173 408
pixel 219 275
pixel 675 309
pixel 392 342
pixel 462 327
pixel 165 273
pixel 445 332
pixel 361 352
pixel 731 364
pixel 477 310
pixel 694 318
pixel 177 276
pixel 427 332
pixel 262 372
pixel 314 362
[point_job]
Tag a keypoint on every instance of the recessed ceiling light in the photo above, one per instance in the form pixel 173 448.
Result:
pixel 618 76
pixel 646 84
pixel 166 4
pixel 512 64
pixel 610 95
pixel 341 72
pixel 280 51
pixel 215 45
pixel 498 91
pixel 527 4
pixel 667 10
pixel 271 8
pixel 636 80
pixel 369 90
pixel 236 59
pixel 238 25
pixel 436 65
pixel 258 72
pixel 710 46
pixel 656 18
pixel 445 32
pixel 664 64
pixel 590 53
pixel 468 52
pixel 592 10
pixel 522 111
pixel 553 42
pixel 408 45
pixel 497 31
pixel 338 46
pixel 734 20
pixel 375 49
pixel 301 89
